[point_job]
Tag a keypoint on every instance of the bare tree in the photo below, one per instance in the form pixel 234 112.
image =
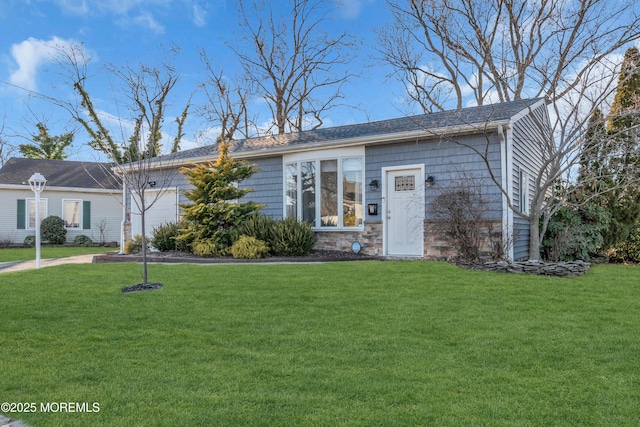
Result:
pixel 449 53
pixel 146 90
pixel 226 103
pixel 7 150
pixel 291 62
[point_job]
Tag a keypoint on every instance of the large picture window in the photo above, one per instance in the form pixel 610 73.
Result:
pixel 327 192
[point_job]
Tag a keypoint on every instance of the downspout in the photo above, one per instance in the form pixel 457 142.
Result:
pixel 123 225
pixel 506 166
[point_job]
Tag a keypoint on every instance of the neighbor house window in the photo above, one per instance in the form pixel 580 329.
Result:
pixel 326 191
pixel 31 212
pixel 72 214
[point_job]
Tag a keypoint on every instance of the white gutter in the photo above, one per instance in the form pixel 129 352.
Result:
pixel 340 143
pixel 66 189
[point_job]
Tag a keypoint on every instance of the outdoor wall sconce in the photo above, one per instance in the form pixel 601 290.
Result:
pixel 152 184
pixel 430 181
pixel 373 185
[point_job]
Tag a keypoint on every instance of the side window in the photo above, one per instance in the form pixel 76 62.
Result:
pixel 524 192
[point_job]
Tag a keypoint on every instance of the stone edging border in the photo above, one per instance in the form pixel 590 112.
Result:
pixel 554 269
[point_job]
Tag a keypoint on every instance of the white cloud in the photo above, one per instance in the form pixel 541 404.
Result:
pixel 117 7
pixel 30 55
pixel 146 20
pixel 199 16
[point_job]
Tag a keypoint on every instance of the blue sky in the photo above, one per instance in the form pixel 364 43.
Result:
pixel 128 32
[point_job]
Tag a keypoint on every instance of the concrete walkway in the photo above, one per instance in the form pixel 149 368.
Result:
pixel 8 267
pixel 10 422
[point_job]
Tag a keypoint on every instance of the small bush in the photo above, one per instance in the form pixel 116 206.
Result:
pixel 30 241
pixel 247 247
pixel 292 238
pixel 133 246
pixel 52 230
pixel 82 240
pixel 629 250
pixel 164 237
pixel 258 226
pixel 6 240
pixel 208 248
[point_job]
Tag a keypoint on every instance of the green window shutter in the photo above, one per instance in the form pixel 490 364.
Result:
pixel 22 213
pixel 86 215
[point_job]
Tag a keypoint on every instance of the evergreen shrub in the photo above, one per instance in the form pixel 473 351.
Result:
pixel 247 247
pixel 29 241
pixel 629 250
pixel 52 230
pixel 133 246
pixel 259 226
pixel 82 240
pixel 292 238
pixel 164 238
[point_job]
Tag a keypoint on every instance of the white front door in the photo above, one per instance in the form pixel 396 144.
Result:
pixel 404 211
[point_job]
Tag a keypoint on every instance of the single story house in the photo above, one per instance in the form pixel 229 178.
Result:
pixel 373 183
pixel 84 194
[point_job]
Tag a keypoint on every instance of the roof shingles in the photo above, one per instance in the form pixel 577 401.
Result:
pixel 59 173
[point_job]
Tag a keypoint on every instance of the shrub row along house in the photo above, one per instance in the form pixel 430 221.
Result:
pixel 84 194
pixel 374 183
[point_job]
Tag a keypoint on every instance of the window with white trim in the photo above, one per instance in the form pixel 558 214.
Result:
pixel 31 212
pixel 524 192
pixel 326 191
pixel 72 214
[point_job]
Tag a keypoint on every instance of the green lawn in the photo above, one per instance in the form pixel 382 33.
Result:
pixel 367 343
pixel 27 254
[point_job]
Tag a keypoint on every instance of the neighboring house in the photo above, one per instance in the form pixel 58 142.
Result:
pixel 373 182
pixel 84 194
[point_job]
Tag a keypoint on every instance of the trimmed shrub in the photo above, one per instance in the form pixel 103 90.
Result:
pixel 247 247
pixel 292 238
pixel 30 241
pixel 165 238
pixel 133 246
pixel 82 240
pixel 52 230
pixel 208 248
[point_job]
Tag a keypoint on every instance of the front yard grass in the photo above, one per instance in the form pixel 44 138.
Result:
pixel 350 343
pixel 47 251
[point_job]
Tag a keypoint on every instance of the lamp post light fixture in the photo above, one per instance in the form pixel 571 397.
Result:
pixel 37 183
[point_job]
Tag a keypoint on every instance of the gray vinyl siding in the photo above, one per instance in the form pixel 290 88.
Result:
pixel 527 156
pixel 267 185
pixel 449 162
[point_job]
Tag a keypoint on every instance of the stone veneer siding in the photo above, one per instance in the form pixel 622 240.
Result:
pixel 370 239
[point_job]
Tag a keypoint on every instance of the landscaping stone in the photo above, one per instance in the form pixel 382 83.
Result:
pixel 555 269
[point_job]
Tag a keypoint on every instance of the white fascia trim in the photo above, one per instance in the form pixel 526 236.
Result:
pixel 349 142
pixel 526 111
pixel 65 189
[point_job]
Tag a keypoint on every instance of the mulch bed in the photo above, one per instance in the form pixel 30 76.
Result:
pixel 181 257
pixel 141 287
